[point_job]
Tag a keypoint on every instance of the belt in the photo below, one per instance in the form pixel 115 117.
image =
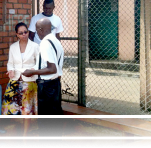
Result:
pixel 52 79
pixel 47 81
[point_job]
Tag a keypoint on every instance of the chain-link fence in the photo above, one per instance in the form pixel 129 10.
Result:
pixel 107 56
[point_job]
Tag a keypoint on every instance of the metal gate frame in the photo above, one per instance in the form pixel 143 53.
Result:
pixel 83 50
pixel 82 45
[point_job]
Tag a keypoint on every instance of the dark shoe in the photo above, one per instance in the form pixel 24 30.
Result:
pixel 2 144
pixel 2 131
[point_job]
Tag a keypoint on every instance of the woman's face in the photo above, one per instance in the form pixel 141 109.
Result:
pixel 22 33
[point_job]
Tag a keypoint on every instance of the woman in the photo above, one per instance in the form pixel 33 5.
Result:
pixel 20 97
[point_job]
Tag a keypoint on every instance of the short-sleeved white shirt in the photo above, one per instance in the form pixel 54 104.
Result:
pixel 55 21
pixel 48 54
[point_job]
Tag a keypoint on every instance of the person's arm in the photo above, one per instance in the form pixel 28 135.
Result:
pixel 32 28
pixel 50 69
pixel 31 35
pixel 59 29
pixel 58 36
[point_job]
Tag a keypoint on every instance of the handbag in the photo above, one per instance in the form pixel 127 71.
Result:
pixel 39 66
pixel 39 81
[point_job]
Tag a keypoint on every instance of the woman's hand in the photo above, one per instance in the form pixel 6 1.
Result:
pixel 10 74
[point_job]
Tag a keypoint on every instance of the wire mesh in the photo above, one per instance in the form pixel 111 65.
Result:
pixel 117 72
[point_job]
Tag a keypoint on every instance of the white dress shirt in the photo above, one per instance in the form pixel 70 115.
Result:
pixel 48 54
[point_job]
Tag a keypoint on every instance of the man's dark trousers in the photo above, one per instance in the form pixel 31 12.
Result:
pixel 50 112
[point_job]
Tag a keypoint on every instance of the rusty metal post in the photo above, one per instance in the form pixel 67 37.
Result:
pixel 145 60
pixel 83 46
pixel 33 7
pixel 4 11
pixel 38 7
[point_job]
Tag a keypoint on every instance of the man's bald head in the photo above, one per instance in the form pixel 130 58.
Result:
pixel 43 27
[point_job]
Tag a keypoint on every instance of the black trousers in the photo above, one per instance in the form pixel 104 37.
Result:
pixel 50 113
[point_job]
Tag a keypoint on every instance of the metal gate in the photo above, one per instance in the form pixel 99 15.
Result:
pixel 68 12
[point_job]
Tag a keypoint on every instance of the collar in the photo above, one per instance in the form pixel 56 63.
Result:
pixel 47 15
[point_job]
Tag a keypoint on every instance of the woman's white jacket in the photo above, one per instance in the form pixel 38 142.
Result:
pixel 19 65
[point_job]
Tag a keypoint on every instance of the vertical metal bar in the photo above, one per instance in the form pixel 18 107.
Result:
pixel 82 52
pixel 147 52
pixel 142 57
pixel 79 53
pixel 38 7
pixel 4 11
pixel 33 8
pixel 86 30
pixel 145 94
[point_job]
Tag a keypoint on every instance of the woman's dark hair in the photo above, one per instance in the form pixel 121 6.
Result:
pixel 48 2
pixel 19 25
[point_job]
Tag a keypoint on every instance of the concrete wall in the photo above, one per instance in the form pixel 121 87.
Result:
pixel 126 30
pixel 67 10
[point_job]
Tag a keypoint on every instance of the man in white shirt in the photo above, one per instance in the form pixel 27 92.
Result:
pixel 56 28
pixel 51 70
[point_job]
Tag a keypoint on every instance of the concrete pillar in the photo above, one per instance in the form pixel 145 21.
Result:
pixel 126 30
pixel 145 55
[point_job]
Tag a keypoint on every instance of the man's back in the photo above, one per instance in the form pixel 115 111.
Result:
pixel 48 54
